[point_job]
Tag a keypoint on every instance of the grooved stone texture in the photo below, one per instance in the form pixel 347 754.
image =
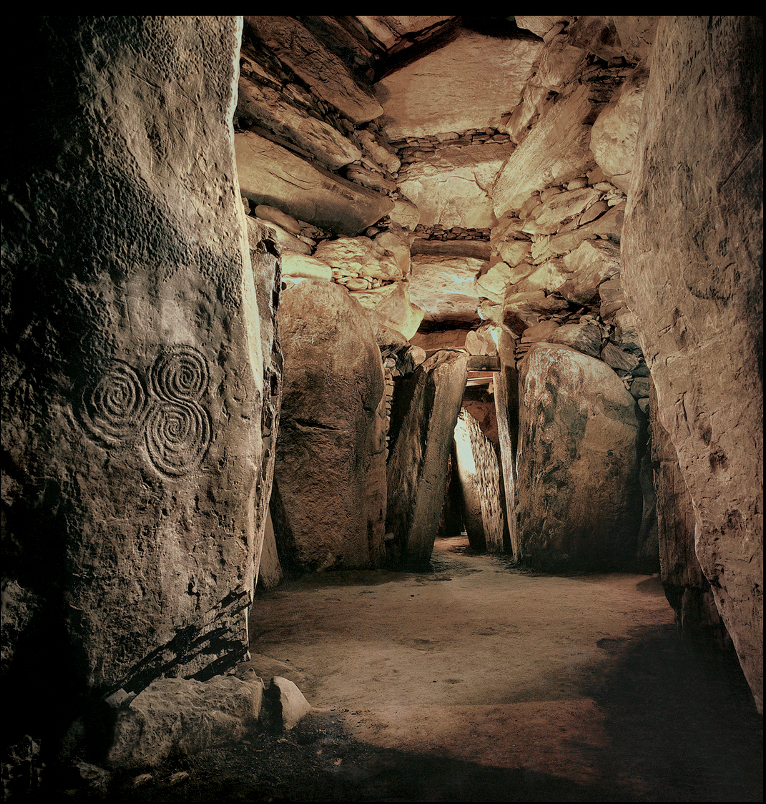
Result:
pixel 692 272
pixel 132 367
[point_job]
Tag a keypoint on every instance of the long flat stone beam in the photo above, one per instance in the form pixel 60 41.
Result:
pixel 270 174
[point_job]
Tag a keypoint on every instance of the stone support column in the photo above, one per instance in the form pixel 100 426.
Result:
pixel 692 270
pixel 132 365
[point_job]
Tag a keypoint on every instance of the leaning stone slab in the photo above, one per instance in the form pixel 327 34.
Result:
pixel 555 151
pixel 479 475
pixel 321 69
pixel 183 717
pixel 268 107
pixel 272 175
pixel 584 336
pixel 579 494
pixel 422 426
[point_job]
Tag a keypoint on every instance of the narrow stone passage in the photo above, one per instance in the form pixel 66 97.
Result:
pixel 479 681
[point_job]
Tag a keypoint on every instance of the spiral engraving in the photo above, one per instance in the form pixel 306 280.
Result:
pixel 113 406
pixel 118 408
pixel 177 435
pixel 180 373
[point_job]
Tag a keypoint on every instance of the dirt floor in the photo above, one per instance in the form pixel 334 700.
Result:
pixel 479 681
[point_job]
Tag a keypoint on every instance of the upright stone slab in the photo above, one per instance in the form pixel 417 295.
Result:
pixel 264 258
pixel 423 418
pixel 329 429
pixel 507 414
pixel 480 481
pixel 692 270
pixel 580 499
pixel 133 371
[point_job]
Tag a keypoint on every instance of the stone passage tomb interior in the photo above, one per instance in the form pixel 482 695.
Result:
pixel 302 313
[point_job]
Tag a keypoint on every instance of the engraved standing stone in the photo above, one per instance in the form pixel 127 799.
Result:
pixel 132 367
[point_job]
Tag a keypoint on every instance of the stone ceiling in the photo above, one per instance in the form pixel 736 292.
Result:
pixel 461 123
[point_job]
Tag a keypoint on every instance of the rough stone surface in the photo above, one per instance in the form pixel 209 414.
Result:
pixel 272 175
pixel 392 307
pixel 686 587
pixel 321 69
pixel 361 255
pixel 453 187
pixel 613 137
pixel 445 288
pixel 636 36
pixel 585 337
pixel 468 83
pixel 333 383
pixel 291 704
pixel 305 267
pixel 183 717
pixel 264 258
pixel 506 387
pixel 692 271
pixel 579 495
pixel 556 150
pixel 132 365
pixel 267 107
pixel 480 483
pixel 423 421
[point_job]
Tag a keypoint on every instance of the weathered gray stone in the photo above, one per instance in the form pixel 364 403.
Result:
pixel 282 219
pixel 268 107
pixel 540 25
pixel 507 414
pixel 561 207
pixel 392 307
pixel 132 365
pixel 480 483
pixel 614 356
pixel 590 264
pixel 287 241
pixel 389 30
pixel 692 271
pixel 272 175
pixel 423 421
pixel 556 150
pixel 579 495
pixel 183 717
pixel 321 69
pixel 333 383
pixel 447 89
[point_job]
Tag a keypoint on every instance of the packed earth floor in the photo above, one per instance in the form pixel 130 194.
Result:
pixel 480 681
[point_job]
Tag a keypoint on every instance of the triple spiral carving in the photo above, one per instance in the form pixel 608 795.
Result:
pixel 117 409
